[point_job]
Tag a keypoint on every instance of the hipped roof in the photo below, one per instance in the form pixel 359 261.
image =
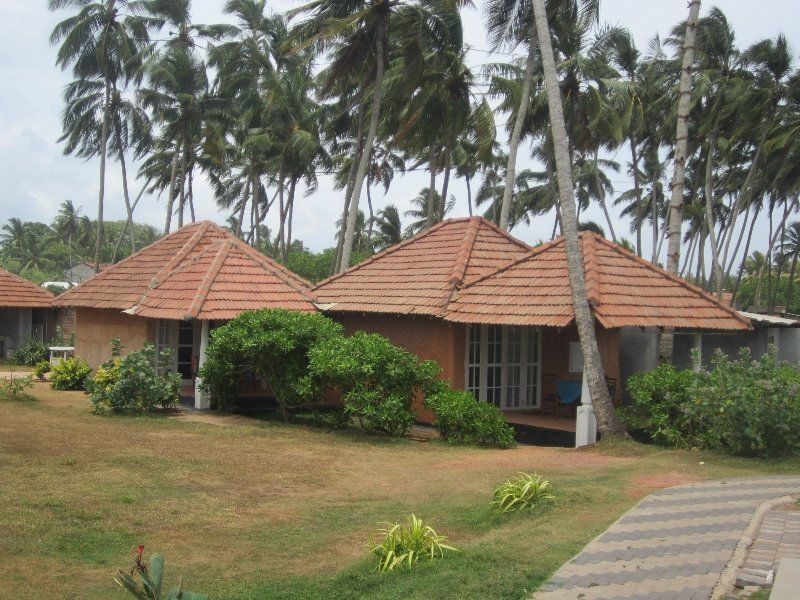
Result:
pixel 198 272
pixel 16 292
pixel 419 276
pixel 623 290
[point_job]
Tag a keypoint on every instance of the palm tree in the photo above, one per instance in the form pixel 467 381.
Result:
pixel 388 228
pixel 103 45
pixel 67 225
pixel 607 419
pixel 790 247
pixel 424 204
pixel 681 143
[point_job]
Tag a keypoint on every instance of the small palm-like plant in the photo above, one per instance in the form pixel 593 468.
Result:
pixel 408 544
pixel 521 492
pixel 151 577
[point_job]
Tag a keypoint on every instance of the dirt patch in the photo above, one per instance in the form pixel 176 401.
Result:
pixel 645 484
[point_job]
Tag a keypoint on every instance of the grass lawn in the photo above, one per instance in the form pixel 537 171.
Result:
pixel 248 509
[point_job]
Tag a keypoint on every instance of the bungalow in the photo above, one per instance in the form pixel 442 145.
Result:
pixel 497 314
pixel 173 292
pixel 24 312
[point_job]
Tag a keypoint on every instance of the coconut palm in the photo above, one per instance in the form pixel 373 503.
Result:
pixel 608 422
pixel 66 225
pixel 423 204
pixel 388 228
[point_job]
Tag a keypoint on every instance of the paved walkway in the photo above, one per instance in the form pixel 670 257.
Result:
pixel 777 538
pixel 674 545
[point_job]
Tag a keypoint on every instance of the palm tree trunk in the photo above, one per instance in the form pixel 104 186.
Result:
pixel 469 195
pixel 790 283
pixel 681 143
pixel 98 245
pixel 371 218
pixel 257 211
pixel 729 264
pixel 637 190
pixel 516 133
pixel 716 268
pixel 122 233
pixel 744 257
pixel 366 154
pixel 431 207
pixel 190 194
pixel 289 220
pixel 184 161
pixel 607 420
pixel 172 178
pixel 243 205
pixel 351 180
pixel 448 159
pixel 654 218
pixel 281 215
pixel 125 195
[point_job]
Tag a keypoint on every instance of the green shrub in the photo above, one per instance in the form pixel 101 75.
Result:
pixel 378 380
pixel 275 343
pixel 661 409
pixel 70 374
pixel 405 545
pixel 30 353
pixel 522 492
pixel 133 384
pixel 462 418
pixel 744 407
pixel 13 388
pixel 151 581
pixel 41 369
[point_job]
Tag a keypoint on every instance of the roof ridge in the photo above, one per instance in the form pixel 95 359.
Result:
pixel 462 260
pixel 494 226
pixel 386 252
pixel 590 269
pixel 679 280
pixel 205 286
pixel 265 262
pixel 530 254
pixel 252 252
pixel 187 247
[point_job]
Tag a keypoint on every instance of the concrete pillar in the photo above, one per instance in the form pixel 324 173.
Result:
pixel 697 361
pixel 201 399
pixel 585 421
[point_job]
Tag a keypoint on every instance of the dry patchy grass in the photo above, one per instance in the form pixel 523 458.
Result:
pixel 255 509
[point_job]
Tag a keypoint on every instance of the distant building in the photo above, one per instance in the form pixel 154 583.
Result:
pixel 82 271
pixel 25 312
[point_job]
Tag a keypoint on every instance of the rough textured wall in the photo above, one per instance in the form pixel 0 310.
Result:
pixel 95 328
pixel 555 354
pixel 427 337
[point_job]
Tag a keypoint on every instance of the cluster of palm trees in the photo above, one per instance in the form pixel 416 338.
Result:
pixel 42 252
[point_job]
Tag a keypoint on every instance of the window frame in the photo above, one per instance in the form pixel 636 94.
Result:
pixel 524 364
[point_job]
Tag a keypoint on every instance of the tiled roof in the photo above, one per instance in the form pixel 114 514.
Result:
pixel 16 292
pixel 199 271
pixel 419 275
pixel 623 290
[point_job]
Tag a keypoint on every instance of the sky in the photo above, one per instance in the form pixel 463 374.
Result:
pixel 35 175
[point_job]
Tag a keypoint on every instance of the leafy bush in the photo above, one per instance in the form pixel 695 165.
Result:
pixel 41 369
pixel 70 374
pixel 521 493
pixel 377 379
pixel 133 384
pixel 152 576
pixel 661 410
pixel 13 388
pixel 462 418
pixel 408 544
pixel 30 353
pixel 744 407
pixel 276 344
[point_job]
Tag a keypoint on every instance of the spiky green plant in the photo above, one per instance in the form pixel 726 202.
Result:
pixel 152 576
pixel 521 492
pixel 408 544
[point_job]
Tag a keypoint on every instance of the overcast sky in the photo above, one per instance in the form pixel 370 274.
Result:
pixel 35 176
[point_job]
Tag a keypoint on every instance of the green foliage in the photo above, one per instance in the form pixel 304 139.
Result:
pixel 30 353
pixel 377 379
pixel 13 388
pixel 522 492
pixel 70 374
pixel 132 384
pixel 151 581
pixel 41 369
pixel 314 266
pixel 273 343
pixel 462 418
pixel 661 411
pixel 744 407
pixel 405 545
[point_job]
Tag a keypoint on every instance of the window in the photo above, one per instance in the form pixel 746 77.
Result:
pixel 502 365
pixel 575 358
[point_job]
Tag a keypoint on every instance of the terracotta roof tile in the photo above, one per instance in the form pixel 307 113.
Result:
pixel 200 271
pixel 623 289
pixel 16 292
pixel 419 275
